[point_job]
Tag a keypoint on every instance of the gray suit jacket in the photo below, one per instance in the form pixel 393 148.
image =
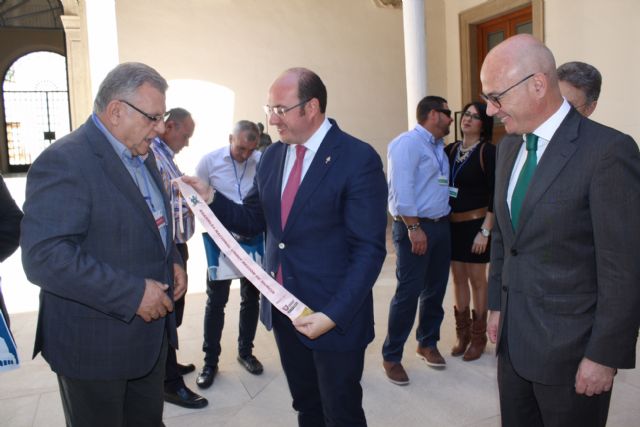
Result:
pixel 89 241
pixel 567 281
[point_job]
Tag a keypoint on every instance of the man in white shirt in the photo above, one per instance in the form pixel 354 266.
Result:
pixel 231 171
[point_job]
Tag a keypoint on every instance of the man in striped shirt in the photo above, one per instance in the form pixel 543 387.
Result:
pixel 179 128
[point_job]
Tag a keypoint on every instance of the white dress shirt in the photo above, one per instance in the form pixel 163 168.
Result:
pixel 544 132
pixel 312 145
pixel 227 176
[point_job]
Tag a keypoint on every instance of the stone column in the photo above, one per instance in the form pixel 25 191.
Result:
pixel 415 55
pixel 102 37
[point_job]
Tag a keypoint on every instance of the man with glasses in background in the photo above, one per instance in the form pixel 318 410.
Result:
pixel 231 170
pixel 97 238
pixel 418 177
pixel 320 195
pixel 563 280
pixel 580 85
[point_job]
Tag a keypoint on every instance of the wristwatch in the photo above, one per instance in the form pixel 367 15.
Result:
pixel 485 232
pixel 412 227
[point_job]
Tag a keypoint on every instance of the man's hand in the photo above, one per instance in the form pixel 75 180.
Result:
pixel 155 302
pixel 202 188
pixel 180 281
pixel 314 325
pixel 492 326
pixel 593 378
pixel 418 240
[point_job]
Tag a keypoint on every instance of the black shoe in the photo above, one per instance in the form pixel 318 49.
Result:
pixel 205 378
pixel 186 369
pixel 251 364
pixel 185 398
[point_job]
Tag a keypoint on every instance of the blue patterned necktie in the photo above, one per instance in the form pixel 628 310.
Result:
pixel 524 179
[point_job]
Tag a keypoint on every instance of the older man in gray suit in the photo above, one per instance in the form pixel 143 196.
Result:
pixel 563 285
pixel 97 239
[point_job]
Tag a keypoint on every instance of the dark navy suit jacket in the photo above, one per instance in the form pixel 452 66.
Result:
pixel 333 245
pixel 89 241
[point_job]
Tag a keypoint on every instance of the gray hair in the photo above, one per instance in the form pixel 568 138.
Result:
pixel 177 115
pixel 246 125
pixel 583 76
pixel 124 80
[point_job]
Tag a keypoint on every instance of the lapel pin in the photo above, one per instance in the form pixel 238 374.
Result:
pixel 327 160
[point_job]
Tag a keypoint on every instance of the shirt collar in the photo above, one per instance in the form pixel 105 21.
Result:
pixel 427 136
pixel 313 143
pixel 547 129
pixel 164 146
pixel 118 146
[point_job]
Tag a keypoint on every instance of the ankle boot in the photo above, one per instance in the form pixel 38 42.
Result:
pixel 478 337
pixel 463 331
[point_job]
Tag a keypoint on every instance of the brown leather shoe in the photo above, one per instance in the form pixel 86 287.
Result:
pixel 395 373
pixel 431 356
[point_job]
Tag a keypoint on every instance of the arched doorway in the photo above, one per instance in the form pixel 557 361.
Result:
pixel 26 26
pixel 36 106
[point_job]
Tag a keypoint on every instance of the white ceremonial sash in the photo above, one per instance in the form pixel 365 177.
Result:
pixel 282 299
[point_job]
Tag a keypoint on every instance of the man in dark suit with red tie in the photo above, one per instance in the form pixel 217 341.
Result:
pixel 563 285
pixel 327 249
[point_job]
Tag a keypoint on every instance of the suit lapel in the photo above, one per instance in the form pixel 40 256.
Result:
pixel 322 161
pixel 509 148
pixel 558 152
pixel 115 170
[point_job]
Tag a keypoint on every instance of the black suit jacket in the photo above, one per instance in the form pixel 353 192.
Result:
pixel 89 241
pixel 567 281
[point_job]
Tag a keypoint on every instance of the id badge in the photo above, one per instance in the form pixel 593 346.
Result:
pixel 443 180
pixel 161 221
pixel 453 192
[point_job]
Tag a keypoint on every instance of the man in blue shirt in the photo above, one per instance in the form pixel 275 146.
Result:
pixel 418 178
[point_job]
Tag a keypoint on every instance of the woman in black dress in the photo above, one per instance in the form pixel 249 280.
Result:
pixel 472 163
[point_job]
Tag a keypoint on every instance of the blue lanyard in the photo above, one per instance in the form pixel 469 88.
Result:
pixel 235 171
pixel 439 158
pixel 455 170
pixel 147 196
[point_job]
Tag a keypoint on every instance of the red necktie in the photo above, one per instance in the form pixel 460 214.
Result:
pixel 289 193
pixel 290 190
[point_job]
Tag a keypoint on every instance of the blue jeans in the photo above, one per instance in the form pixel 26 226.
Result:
pixel 421 278
pixel 217 297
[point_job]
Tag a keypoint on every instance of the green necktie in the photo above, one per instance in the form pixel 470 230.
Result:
pixel 524 179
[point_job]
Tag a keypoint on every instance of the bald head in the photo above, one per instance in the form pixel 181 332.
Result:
pixel 519 80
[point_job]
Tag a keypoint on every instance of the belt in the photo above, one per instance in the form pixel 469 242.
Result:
pixel 399 219
pixel 468 215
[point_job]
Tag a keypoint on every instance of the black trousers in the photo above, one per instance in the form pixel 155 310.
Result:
pixel 217 297
pixel 172 379
pixel 325 385
pixel 117 403
pixel 525 403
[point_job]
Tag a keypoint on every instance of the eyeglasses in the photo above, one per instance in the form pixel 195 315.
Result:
pixel 473 116
pixel 443 111
pixel 281 111
pixel 159 117
pixel 495 99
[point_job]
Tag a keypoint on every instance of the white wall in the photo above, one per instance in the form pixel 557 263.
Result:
pixel 243 45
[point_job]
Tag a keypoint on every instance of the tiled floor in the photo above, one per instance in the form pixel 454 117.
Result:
pixel 464 394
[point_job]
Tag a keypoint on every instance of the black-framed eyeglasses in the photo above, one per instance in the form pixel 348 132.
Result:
pixel 495 99
pixel 281 111
pixel 156 118
pixel 443 111
pixel 470 115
